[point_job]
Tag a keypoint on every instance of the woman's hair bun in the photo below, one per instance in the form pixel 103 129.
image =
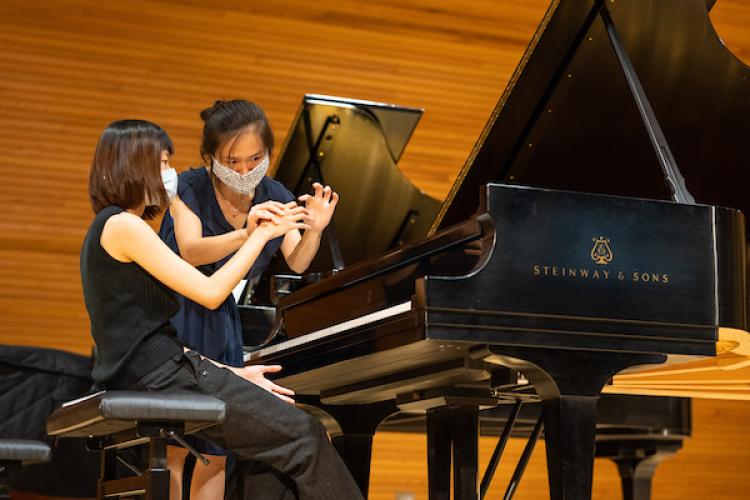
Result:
pixel 208 112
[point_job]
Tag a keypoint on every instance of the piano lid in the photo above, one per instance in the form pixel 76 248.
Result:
pixel 354 146
pixel 567 119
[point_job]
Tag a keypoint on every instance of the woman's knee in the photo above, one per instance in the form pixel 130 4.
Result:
pixel 310 428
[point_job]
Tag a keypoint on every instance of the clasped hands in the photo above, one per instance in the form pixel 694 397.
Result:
pixel 314 216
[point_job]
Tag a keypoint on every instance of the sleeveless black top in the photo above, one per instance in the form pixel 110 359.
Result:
pixel 129 311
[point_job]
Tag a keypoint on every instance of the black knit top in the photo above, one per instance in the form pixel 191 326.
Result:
pixel 129 311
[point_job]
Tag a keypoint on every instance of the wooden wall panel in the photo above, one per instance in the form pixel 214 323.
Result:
pixel 69 67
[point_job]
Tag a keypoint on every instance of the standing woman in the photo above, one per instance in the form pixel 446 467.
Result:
pixel 129 276
pixel 217 209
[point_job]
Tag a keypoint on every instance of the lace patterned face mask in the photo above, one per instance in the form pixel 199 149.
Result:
pixel 243 184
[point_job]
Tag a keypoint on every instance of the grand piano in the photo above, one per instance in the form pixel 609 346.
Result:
pixel 593 241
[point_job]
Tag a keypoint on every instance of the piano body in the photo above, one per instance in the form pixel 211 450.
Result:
pixel 570 250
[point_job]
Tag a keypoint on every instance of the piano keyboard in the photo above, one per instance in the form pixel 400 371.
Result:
pixel 329 331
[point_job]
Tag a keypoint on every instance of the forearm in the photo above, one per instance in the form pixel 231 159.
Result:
pixel 226 278
pixel 209 249
pixel 305 251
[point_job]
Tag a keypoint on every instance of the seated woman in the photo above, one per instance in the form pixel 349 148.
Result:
pixel 129 276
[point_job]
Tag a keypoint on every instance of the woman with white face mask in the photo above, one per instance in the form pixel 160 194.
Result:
pixel 130 278
pixel 217 208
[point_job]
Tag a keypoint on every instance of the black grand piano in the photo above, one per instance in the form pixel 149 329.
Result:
pixel 587 234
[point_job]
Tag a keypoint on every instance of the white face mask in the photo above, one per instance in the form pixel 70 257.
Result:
pixel 170 180
pixel 243 184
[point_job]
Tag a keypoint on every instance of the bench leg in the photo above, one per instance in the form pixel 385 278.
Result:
pixel 158 474
pixel 107 470
pixel 153 483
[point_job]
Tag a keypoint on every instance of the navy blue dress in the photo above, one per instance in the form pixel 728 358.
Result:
pixel 216 334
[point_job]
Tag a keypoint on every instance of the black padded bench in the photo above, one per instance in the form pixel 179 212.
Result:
pixel 116 420
pixel 15 453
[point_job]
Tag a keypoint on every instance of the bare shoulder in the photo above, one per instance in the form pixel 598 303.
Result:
pixel 125 222
pixel 121 232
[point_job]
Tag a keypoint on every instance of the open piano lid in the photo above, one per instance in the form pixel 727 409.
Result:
pixel 354 146
pixel 567 119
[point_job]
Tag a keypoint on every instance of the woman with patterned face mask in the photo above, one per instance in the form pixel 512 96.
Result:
pixel 216 209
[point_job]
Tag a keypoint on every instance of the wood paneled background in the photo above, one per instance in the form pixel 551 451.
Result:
pixel 69 67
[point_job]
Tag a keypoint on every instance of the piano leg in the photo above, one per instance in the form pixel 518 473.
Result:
pixel 569 383
pixel 351 428
pixel 356 451
pixel 465 452
pixel 438 454
pixel 636 461
pixel 453 432
pixel 569 431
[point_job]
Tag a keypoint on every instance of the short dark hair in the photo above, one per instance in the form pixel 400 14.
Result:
pixel 227 120
pixel 126 168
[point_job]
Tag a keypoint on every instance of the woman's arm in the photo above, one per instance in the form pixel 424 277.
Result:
pixel 198 249
pixel 127 238
pixel 194 247
pixel 299 251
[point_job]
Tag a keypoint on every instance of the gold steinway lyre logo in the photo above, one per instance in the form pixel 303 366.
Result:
pixel 601 253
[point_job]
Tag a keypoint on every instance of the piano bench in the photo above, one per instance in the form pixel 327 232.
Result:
pixel 15 453
pixel 116 420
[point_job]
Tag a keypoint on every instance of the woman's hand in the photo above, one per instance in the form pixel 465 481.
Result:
pixel 292 217
pixel 321 206
pixel 266 211
pixel 257 375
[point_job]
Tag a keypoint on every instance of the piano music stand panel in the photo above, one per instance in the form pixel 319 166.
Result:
pixel 355 146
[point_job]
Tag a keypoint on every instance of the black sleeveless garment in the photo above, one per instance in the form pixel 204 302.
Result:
pixel 129 311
